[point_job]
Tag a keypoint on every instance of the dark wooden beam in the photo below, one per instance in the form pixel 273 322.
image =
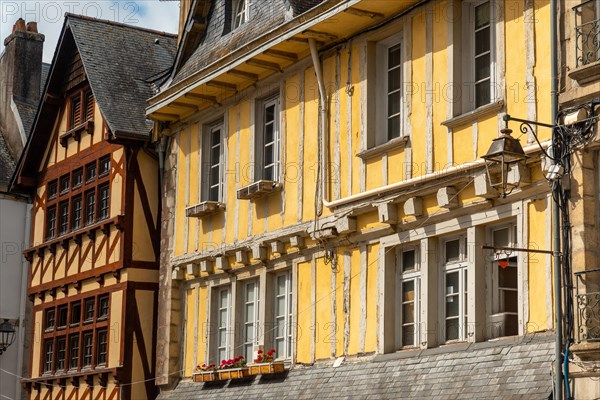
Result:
pixel 243 74
pixel 264 64
pixel 223 85
pixel 319 35
pixel 363 13
pixel 202 98
pixel 285 55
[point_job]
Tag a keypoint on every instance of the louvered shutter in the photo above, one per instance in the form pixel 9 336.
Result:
pixel 89 106
pixel 75 111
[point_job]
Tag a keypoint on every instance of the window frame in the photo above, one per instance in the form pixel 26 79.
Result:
pixel 403 277
pixel 222 350
pixel 468 93
pixel 240 13
pixel 460 266
pixel 208 163
pixel 287 339
pixel 51 213
pixel 254 323
pixel 260 138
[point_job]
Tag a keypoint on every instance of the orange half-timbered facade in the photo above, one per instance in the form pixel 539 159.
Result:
pixel 93 179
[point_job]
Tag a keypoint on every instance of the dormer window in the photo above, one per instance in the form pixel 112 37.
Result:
pixel 241 13
pixel 81 108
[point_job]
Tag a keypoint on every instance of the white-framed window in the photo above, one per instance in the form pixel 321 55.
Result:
pixel 213 164
pixel 479 53
pixel 408 296
pixel 505 282
pixel 250 334
pixel 223 323
pixel 454 268
pixel 389 95
pixel 240 13
pixel 268 140
pixel 282 312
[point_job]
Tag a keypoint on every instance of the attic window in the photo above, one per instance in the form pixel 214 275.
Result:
pixel 81 108
pixel 241 13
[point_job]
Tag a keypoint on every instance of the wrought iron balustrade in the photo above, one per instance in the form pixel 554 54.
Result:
pixel 588 305
pixel 587 32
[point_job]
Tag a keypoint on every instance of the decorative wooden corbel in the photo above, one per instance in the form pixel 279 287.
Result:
pixel 100 280
pixel 120 224
pixel 91 234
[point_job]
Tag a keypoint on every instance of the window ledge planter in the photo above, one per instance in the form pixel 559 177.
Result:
pixel 205 376
pixel 267 368
pixel 233 373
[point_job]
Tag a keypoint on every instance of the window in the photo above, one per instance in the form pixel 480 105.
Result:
pixel 64 183
pixel 104 166
pixel 409 296
pixel 89 310
pixel 49 355
pixel 505 289
pixel 77 178
pixel 90 172
pixel 81 108
pixel 51 222
pixel 455 289
pixel 251 319
pixel 63 222
pixel 214 156
pixel 223 323
pixel 62 316
pixel 103 307
pixel 283 314
pixel 241 13
pixel 76 217
pixel 90 207
pixel 386 91
pixel 102 341
pixel 52 189
pixel 87 349
pixel 61 354
pixel 268 140
pixel 103 205
pixel 478 56
pixel 76 313
pixel 50 314
pixel 74 352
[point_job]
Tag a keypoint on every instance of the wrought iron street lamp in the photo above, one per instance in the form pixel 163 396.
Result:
pixel 7 335
pixel 504 152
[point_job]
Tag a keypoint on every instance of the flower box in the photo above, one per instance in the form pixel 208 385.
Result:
pixel 234 373
pixel 267 368
pixel 205 376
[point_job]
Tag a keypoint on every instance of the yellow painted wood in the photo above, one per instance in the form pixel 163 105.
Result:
pixel 304 337
pixel 537 266
pixel 116 315
pixel 372 320
pixel 324 324
pixel 355 330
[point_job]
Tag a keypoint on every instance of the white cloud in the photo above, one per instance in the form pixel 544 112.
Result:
pixel 154 14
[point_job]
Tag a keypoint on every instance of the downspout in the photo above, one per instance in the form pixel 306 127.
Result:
pixel 556 230
pixel 323 129
pixel 24 299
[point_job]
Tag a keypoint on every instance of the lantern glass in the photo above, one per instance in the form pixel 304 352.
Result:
pixel 7 335
pixel 504 152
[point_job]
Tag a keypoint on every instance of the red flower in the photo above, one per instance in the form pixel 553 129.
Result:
pixel 260 352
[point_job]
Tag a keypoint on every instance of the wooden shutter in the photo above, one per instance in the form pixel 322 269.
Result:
pixel 75 111
pixel 89 106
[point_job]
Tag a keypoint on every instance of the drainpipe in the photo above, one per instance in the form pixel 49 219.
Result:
pixel 162 148
pixel 323 131
pixel 24 298
pixel 556 229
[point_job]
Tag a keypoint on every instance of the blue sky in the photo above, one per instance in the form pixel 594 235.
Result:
pixel 49 14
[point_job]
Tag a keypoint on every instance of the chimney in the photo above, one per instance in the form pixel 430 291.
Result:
pixel 22 61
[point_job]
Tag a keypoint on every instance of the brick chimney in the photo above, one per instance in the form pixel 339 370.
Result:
pixel 22 62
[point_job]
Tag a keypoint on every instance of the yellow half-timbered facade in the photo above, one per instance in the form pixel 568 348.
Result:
pixel 325 195
pixel 94 244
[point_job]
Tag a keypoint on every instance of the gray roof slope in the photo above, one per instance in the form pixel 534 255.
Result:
pixel 218 41
pixel 44 77
pixel 123 64
pixel 7 164
pixel 513 368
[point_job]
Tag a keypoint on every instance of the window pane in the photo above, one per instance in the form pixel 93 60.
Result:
pixel 408 260
pixel 482 41
pixel 408 335
pixel 408 291
pixel 394 79
pixel 394 56
pixel 394 127
pixel 269 113
pixel 269 150
pixel 215 155
pixel 394 100
pixel 453 251
pixel 482 15
pixel 482 67
pixel 501 238
pixel 452 329
pixel 482 93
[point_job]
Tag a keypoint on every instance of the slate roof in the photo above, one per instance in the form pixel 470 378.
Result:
pixel 44 77
pixel 512 368
pixel 124 64
pixel 7 164
pixel 218 41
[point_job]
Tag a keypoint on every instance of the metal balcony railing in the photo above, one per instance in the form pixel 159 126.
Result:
pixel 588 305
pixel 587 32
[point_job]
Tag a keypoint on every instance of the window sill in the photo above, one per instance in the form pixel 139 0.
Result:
pixel 383 148
pixel 258 189
pixel 586 73
pixel 75 132
pixel 472 116
pixel 205 208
